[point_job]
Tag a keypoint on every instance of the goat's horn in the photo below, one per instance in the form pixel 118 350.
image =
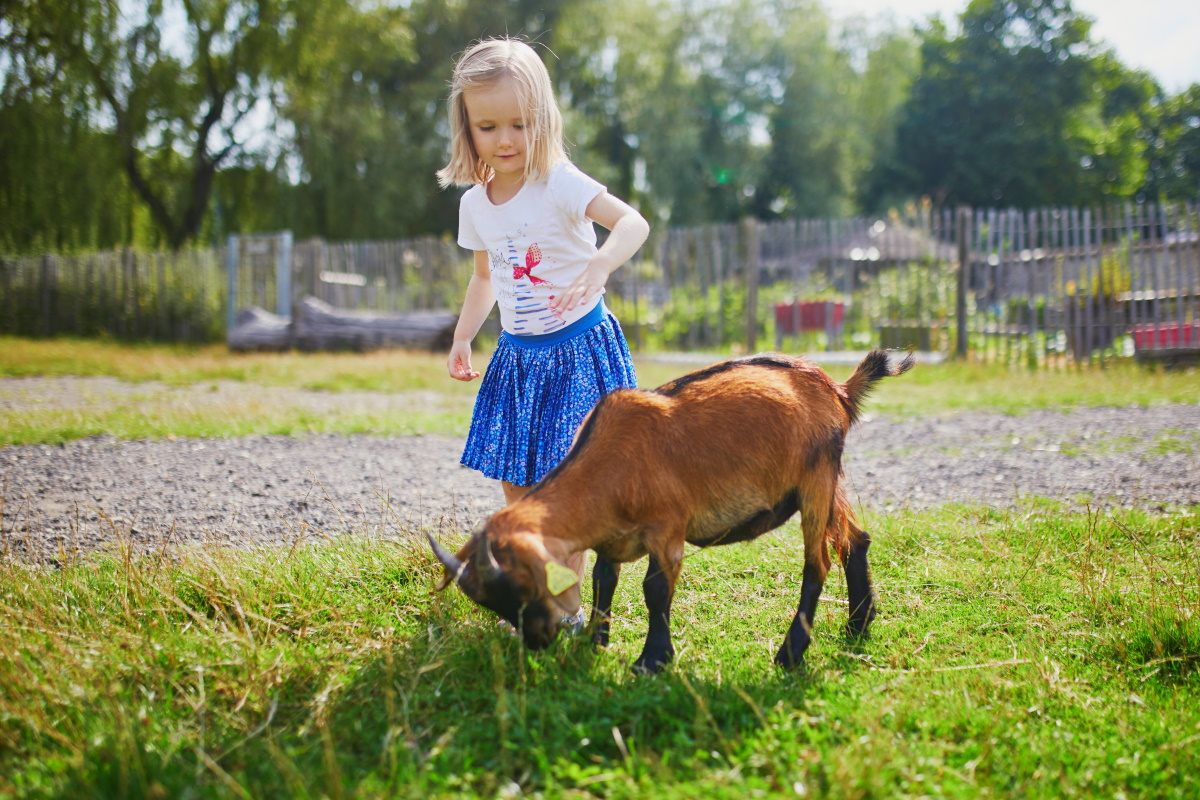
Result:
pixel 485 562
pixel 448 560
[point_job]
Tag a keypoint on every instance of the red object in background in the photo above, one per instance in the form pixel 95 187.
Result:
pixel 1164 335
pixel 808 315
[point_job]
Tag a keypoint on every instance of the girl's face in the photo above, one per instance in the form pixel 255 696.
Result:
pixel 498 130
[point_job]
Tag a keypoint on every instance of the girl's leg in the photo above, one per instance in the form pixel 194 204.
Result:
pixel 576 561
pixel 513 493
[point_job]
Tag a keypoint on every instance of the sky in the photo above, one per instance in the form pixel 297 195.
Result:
pixel 1159 36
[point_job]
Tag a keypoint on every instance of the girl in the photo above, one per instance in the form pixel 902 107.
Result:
pixel 528 217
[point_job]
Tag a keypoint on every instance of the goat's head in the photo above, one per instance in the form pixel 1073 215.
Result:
pixel 516 577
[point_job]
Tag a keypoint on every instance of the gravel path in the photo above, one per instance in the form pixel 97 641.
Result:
pixel 274 489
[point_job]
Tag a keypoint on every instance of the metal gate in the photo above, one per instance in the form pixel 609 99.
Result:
pixel 260 274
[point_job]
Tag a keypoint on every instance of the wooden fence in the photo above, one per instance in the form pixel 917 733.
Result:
pixel 1007 285
pixel 124 294
pixel 1029 286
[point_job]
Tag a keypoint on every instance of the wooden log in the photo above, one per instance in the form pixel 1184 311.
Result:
pixel 258 329
pixel 320 326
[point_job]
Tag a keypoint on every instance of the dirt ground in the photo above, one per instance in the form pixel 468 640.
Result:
pixel 273 490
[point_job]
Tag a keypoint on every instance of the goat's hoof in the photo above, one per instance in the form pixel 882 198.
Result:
pixel 650 664
pixel 859 624
pixel 786 659
pixel 855 631
pixel 600 639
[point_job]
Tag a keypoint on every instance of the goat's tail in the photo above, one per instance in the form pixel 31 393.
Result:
pixel 874 368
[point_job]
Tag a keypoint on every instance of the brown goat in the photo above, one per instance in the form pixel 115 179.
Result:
pixel 719 456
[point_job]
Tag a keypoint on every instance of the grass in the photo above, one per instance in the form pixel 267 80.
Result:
pixel 183 365
pixel 167 415
pixel 295 393
pixel 1029 653
pixel 1033 653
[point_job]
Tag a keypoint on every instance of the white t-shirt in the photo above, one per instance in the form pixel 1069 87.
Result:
pixel 537 243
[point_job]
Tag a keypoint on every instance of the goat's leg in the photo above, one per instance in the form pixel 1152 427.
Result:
pixel 605 574
pixel 791 653
pixel 658 588
pixel 858 586
pixel 822 493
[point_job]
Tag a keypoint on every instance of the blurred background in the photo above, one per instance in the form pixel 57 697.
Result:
pixel 166 123
pixel 170 126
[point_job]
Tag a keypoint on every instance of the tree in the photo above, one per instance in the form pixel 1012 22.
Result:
pixel 712 111
pixel 366 99
pixel 61 186
pixel 1110 132
pixel 892 60
pixel 1173 148
pixel 814 138
pixel 991 115
pixel 178 110
pixel 665 101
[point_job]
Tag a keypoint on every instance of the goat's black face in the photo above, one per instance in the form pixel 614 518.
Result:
pixel 536 624
pixel 504 579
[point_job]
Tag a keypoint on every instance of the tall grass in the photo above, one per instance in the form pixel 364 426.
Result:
pixel 1033 653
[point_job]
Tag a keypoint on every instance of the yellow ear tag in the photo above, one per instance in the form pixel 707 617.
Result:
pixel 559 578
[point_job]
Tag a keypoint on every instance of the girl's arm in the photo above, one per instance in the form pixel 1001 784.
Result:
pixel 628 230
pixel 476 306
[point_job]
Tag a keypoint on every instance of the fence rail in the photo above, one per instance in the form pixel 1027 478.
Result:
pixel 1063 283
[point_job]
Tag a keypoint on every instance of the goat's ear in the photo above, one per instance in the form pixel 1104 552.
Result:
pixel 444 581
pixel 559 578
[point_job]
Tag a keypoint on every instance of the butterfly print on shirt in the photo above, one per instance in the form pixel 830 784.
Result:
pixel 533 257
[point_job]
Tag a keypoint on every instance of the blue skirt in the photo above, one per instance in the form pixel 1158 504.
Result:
pixel 537 390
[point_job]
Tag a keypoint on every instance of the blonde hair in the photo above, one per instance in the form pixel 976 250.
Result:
pixel 484 64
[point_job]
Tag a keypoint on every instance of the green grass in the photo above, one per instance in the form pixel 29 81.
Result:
pixel 182 365
pixel 1036 653
pixel 167 418
pixel 442 405
pixel 1033 653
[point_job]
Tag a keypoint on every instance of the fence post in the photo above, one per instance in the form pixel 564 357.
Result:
pixel 283 275
pixel 750 242
pixel 7 292
pixel 44 327
pixel 231 266
pixel 161 296
pixel 960 299
pixel 311 270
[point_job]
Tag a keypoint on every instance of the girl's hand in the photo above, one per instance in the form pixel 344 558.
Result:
pixel 628 232
pixel 459 363
pixel 589 284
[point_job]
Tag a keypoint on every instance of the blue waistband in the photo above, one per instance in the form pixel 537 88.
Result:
pixel 581 325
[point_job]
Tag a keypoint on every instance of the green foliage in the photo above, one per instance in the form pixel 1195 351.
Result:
pixel 1020 110
pixel 188 121
pixel 51 200
pixel 1109 130
pixel 174 113
pixel 365 93
pixel 909 292
pixel 1173 153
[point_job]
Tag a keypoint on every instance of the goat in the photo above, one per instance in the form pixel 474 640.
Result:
pixel 719 456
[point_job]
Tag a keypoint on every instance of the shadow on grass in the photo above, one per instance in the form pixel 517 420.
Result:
pixel 458 708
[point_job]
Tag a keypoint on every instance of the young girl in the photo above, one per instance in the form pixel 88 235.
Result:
pixel 528 216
